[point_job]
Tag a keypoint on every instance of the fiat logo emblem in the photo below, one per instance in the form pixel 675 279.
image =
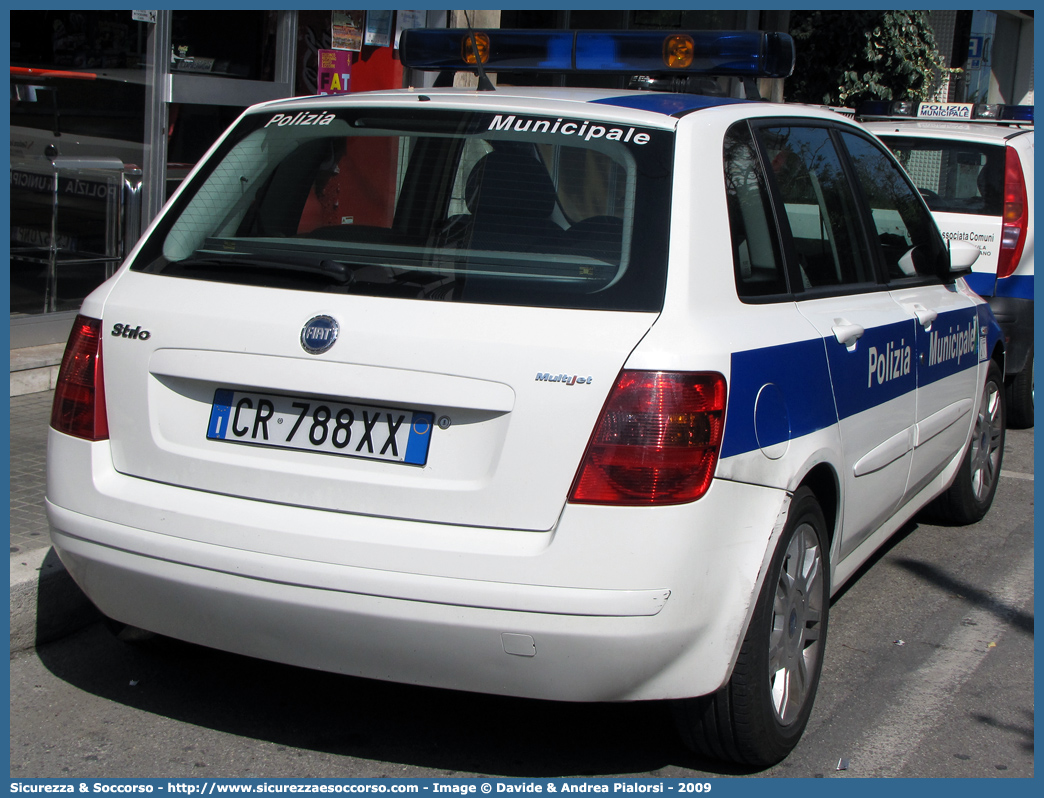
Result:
pixel 319 334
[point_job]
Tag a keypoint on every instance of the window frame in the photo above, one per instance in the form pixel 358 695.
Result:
pixel 861 230
pixel 939 272
pixel 865 227
pixel 639 283
pixel 772 219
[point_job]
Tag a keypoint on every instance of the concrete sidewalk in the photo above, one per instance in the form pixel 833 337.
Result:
pixel 45 603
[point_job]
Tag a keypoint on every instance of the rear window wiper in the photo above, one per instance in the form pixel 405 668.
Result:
pixel 336 271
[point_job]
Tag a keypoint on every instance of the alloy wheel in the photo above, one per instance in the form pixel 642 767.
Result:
pixel 987 441
pixel 795 644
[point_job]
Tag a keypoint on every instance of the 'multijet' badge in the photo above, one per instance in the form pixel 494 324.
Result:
pixel 564 379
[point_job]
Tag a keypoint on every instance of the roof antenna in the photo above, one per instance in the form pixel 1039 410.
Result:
pixel 484 83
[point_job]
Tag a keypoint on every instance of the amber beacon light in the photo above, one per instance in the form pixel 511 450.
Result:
pixel 481 46
pixel 678 51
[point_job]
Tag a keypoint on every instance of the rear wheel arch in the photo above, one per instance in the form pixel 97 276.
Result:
pixel 823 481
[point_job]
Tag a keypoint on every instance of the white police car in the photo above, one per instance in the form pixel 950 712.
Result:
pixel 587 395
pixel 974 166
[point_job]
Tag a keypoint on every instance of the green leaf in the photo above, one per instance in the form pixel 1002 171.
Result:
pixel 849 56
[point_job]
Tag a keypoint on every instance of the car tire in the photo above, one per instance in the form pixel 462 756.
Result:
pixel 758 717
pixel 969 498
pixel 1020 397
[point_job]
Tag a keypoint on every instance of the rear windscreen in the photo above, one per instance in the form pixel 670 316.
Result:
pixel 954 176
pixel 427 204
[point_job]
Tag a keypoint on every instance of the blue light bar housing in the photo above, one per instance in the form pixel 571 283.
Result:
pixel 720 53
pixel 1017 113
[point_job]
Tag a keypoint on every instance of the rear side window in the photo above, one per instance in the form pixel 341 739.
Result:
pixel 909 239
pixel 954 176
pixel 430 205
pixel 819 206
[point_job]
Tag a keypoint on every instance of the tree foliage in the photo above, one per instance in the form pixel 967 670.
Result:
pixel 849 57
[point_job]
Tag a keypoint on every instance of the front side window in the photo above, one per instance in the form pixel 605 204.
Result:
pixel 904 228
pixel 819 206
pixel 430 205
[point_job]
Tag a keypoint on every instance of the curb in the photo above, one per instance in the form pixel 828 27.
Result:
pixel 35 368
pixel 46 604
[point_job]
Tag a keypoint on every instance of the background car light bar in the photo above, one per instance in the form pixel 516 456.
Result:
pixel 726 53
pixel 1017 113
pixel 981 112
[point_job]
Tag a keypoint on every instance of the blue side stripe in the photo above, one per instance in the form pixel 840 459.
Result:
pixel 1018 286
pixel 994 333
pixel 981 283
pixel 799 371
pixel 951 346
pixel 882 367
pixel 809 385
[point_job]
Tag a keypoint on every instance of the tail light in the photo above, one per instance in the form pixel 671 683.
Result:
pixel 1016 210
pixel 656 442
pixel 79 396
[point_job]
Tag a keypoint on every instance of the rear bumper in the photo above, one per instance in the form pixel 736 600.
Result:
pixel 545 655
pixel 639 603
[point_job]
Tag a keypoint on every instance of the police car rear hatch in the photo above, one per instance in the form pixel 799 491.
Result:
pixel 413 315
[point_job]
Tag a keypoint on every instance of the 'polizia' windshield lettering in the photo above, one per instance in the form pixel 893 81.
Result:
pixel 303 118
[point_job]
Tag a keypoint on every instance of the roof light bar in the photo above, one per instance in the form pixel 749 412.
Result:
pixel 947 112
pixel 1017 113
pixel 735 53
pixel 447 48
pixel 729 53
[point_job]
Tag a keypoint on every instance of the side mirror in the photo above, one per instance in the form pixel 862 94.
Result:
pixel 962 255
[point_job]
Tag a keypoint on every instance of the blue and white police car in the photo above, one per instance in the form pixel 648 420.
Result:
pixel 573 394
pixel 973 164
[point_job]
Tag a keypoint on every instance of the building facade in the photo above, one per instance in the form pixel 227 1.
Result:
pixel 110 109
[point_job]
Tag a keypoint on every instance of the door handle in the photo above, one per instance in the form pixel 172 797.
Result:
pixel 924 315
pixel 847 333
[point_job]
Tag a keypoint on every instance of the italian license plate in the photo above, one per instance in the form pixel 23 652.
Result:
pixel 319 425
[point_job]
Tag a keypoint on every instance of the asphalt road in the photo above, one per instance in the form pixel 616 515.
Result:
pixel 929 672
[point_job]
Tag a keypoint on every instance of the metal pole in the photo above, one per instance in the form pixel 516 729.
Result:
pixel 286 49
pixel 157 95
pixel 51 288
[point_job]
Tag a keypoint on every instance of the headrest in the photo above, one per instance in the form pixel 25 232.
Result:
pixel 990 180
pixel 510 183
